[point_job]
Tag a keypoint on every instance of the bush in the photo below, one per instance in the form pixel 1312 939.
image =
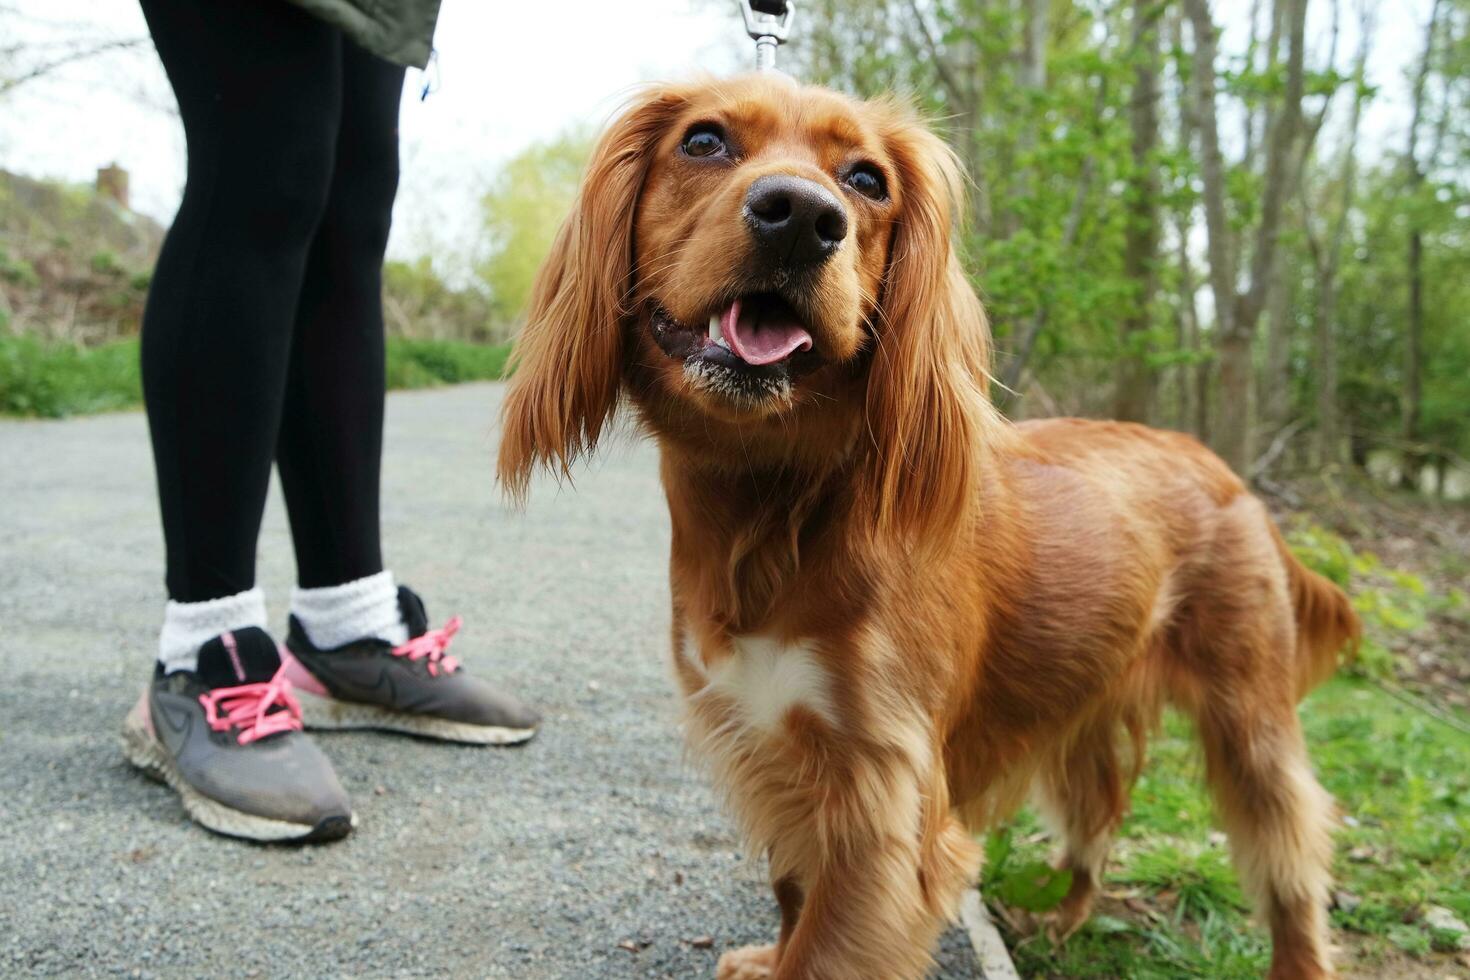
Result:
pixel 37 379
pixel 56 381
pixel 420 363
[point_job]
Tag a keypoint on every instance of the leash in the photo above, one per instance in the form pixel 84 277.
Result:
pixel 767 22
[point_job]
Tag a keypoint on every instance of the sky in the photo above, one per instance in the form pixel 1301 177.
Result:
pixel 506 75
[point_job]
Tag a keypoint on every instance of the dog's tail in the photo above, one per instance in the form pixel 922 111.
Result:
pixel 1325 621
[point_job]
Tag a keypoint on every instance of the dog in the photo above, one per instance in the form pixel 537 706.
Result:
pixel 895 613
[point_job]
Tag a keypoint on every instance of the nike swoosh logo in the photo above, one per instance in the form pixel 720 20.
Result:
pixel 178 722
pixel 384 691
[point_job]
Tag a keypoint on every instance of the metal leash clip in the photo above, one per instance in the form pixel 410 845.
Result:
pixel 767 22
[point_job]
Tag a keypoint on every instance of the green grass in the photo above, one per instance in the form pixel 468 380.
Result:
pixel 37 379
pixel 1402 779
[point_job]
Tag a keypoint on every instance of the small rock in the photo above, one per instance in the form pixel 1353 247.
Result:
pixel 1346 901
pixel 1441 918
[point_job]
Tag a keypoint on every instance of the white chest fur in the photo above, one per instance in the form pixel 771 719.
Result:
pixel 763 680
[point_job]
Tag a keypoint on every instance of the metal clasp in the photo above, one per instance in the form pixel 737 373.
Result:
pixel 767 22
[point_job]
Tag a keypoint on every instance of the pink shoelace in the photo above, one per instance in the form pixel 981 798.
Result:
pixel 248 708
pixel 432 645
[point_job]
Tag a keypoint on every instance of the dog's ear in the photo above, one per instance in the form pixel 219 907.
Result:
pixel 927 402
pixel 568 360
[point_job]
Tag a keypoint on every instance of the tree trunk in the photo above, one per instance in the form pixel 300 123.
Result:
pixel 1327 263
pixel 1413 362
pixel 1136 379
pixel 1237 314
pixel 960 77
pixel 1217 222
pixel 1032 73
pixel 1192 377
pixel 1194 381
pixel 1329 442
pixel 1276 376
pixel 1235 409
pixel 1413 461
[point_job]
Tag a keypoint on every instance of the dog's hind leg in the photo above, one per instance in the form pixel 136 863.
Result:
pixel 1082 795
pixel 1235 672
pixel 1279 820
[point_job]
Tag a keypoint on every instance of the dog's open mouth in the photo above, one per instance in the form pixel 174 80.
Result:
pixel 748 349
pixel 761 329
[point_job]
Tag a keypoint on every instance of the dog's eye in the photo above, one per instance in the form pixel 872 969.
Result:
pixel 704 141
pixel 867 181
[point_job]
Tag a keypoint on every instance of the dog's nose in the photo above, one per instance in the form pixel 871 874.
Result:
pixel 795 220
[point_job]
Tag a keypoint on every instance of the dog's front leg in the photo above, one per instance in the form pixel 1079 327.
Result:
pixel 875 907
pixel 759 962
pixel 865 883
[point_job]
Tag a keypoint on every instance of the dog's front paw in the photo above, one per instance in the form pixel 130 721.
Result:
pixel 747 963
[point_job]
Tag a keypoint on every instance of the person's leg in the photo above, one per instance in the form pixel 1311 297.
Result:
pixel 259 89
pixel 331 435
pixel 361 651
pixel 331 438
pixel 258 86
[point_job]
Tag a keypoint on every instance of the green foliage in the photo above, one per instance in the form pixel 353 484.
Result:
pixel 1390 602
pixel 55 381
pixel 17 271
pixel 1200 876
pixel 522 211
pixel 1055 179
pixel 106 264
pixel 36 379
pixel 419 303
pixel 1033 885
pixel 1375 305
pixel 425 363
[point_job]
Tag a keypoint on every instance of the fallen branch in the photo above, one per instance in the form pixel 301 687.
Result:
pixel 1277 447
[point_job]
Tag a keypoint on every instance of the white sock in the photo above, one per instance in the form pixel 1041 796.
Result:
pixel 338 614
pixel 187 626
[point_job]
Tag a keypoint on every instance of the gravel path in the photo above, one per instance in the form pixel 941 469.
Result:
pixel 527 863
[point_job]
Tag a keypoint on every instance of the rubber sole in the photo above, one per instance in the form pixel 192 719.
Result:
pixel 143 750
pixel 329 714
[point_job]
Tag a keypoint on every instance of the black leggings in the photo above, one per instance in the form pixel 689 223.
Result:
pixel 263 334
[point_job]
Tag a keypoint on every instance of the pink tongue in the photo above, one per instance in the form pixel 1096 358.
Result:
pixel 764 336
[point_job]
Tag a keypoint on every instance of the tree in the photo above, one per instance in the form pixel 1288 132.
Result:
pixel 1414 328
pixel 1151 228
pixel 1237 312
pixel 1134 396
pixel 31 49
pixel 522 210
pixel 1326 246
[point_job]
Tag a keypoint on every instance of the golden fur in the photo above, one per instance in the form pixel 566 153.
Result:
pixel 938 611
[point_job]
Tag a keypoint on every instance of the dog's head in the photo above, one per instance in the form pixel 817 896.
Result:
pixel 767 269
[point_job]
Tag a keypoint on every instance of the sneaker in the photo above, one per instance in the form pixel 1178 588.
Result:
pixel 415 688
pixel 227 738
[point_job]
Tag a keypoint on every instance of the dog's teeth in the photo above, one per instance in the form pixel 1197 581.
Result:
pixel 714 329
pixel 722 342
